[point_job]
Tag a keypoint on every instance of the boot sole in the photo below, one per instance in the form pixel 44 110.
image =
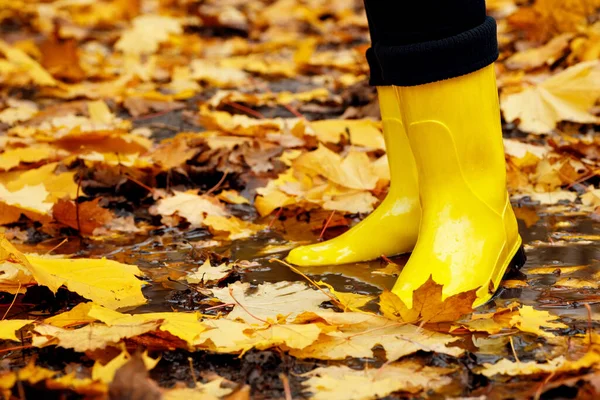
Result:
pixel 513 270
pixel 517 262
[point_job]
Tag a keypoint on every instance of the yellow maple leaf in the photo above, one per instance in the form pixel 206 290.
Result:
pixel 559 364
pixel 186 326
pixel 269 300
pixel 358 333
pixel 232 197
pixel 11 158
pixel 352 202
pixel 18 111
pixel 532 320
pixel 577 283
pixel 27 65
pixel 360 132
pixel 207 273
pixel 29 373
pixel 147 33
pixel 212 390
pixel 90 337
pixel 272 197
pixel 29 201
pixel 348 300
pixel 566 96
pixel 288 336
pixel 355 171
pixel 233 226
pixel 105 373
pixel 342 382
pixel 218 75
pixel 537 56
pixel 106 282
pixel 8 328
pixel 224 336
pixel 78 315
pixel 190 206
pixel 58 186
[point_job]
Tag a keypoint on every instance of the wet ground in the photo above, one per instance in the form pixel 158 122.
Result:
pixel 559 242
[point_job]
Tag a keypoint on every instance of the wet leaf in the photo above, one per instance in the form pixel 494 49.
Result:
pixel 8 328
pixel 532 321
pixel 343 382
pixel 428 305
pixel 274 301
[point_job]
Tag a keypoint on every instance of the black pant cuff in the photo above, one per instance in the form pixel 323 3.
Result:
pixel 421 63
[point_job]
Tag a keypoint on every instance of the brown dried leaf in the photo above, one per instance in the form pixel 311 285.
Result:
pixel 91 215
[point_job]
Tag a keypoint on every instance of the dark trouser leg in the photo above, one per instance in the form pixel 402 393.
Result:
pixel 423 41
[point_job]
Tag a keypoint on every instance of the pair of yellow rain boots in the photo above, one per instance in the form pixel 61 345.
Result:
pixel 447 201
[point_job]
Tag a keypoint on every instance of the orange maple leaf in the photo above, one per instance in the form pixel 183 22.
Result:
pixel 428 305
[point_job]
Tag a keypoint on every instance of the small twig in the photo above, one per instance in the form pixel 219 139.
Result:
pixel 6 350
pixel 275 217
pixel 77 203
pixel 244 308
pixel 245 109
pixel 384 257
pixel 293 110
pixel 219 306
pixel 212 189
pixel 286 386
pixel 589 321
pixel 152 115
pixel 296 270
pixel 65 240
pixel 512 346
pixel 192 371
pixel 13 302
pixel 132 179
pixel 326 225
pixel 540 390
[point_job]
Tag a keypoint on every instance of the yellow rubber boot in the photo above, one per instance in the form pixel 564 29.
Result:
pixel 393 227
pixel 468 234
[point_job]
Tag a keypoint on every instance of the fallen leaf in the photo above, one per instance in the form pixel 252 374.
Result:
pixel 60 58
pixel 537 56
pixel 105 373
pixel 349 301
pixel 566 96
pixel 576 283
pixel 131 381
pixel 90 337
pixel 272 301
pixel 427 305
pixel 212 390
pixel 147 33
pixel 342 382
pixel 85 218
pixel 190 206
pixel 359 333
pixel 27 65
pixel 362 132
pixel 354 172
pixel 209 273
pixel 186 326
pixel 532 321
pixel 556 365
pixel 234 227
pixel 8 328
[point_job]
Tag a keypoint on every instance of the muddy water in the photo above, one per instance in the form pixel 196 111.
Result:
pixel 556 238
